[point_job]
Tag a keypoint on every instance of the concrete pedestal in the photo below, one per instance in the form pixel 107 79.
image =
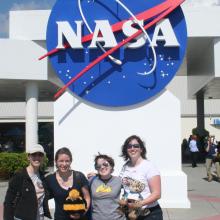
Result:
pixel 87 130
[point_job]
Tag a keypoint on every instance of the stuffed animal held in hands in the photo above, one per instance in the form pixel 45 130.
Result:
pixel 74 204
pixel 131 202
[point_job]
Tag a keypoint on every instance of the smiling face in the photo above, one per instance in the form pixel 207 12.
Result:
pixel 134 149
pixel 104 168
pixel 36 159
pixel 63 163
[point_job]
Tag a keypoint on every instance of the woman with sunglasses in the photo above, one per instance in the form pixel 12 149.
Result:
pixel 141 180
pixel 105 190
pixel 67 187
pixel 26 197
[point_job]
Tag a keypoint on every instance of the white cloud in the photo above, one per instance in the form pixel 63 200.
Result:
pixel 3 25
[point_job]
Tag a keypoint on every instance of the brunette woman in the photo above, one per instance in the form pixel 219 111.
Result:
pixel 105 190
pixel 141 180
pixel 67 185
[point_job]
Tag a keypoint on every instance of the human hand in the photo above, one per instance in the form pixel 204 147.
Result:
pixel 91 174
pixel 122 202
pixel 135 205
pixel 75 216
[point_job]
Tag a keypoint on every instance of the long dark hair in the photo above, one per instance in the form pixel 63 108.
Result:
pixel 124 153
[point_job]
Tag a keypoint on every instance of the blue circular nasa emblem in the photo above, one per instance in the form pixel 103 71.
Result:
pixel 116 53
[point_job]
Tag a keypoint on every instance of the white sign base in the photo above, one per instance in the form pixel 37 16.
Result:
pixel 87 130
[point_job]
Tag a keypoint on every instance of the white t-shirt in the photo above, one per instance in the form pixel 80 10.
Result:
pixel 135 180
pixel 193 146
pixel 40 195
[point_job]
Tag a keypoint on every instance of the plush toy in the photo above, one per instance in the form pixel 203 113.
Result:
pixel 130 203
pixel 132 208
pixel 74 203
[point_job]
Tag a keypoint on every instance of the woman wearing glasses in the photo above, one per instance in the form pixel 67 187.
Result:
pixel 105 190
pixel 69 188
pixel 141 181
pixel 26 197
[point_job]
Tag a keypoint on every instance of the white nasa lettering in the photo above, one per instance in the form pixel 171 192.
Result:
pixel 168 35
pixel 107 36
pixel 103 33
pixel 64 29
pixel 129 30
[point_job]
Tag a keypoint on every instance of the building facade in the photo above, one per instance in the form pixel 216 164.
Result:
pixel 28 86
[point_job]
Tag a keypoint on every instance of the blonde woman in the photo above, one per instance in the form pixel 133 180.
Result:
pixel 26 197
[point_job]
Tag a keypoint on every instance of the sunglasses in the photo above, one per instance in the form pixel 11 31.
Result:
pixel 104 164
pixel 37 154
pixel 136 146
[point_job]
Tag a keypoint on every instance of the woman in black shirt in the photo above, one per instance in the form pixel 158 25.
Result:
pixel 64 183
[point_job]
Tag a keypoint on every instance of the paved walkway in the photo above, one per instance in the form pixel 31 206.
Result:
pixel 204 197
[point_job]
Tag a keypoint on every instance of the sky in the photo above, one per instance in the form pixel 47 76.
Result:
pixel 12 5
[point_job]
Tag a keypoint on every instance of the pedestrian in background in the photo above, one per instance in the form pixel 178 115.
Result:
pixel 194 151
pixel 211 158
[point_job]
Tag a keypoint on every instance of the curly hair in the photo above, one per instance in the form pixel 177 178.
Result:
pixel 124 153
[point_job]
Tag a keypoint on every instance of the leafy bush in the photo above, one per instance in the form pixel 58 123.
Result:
pixel 199 132
pixel 12 162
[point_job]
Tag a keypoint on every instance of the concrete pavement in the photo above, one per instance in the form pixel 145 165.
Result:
pixel 204 197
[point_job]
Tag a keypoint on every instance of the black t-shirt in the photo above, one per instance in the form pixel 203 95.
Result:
pixel 60 194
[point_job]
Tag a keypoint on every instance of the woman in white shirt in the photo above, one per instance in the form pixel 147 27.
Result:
pixel 141 180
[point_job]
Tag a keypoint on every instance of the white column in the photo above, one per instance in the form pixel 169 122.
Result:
pixel 31 114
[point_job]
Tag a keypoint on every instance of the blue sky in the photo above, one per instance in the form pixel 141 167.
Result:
pixel 7 5
pixel 12 5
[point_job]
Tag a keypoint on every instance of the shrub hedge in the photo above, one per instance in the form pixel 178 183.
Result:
pixel 12 162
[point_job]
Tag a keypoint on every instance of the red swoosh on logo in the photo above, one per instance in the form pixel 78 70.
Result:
pixel 163 10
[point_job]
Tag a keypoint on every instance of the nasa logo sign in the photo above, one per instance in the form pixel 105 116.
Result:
pixel 116 53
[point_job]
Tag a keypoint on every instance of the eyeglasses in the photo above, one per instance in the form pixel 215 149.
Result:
pixel 136 146
pixel 104 164
pixel 37 154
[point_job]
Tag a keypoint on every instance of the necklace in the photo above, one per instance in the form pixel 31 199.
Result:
pixel 65 182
